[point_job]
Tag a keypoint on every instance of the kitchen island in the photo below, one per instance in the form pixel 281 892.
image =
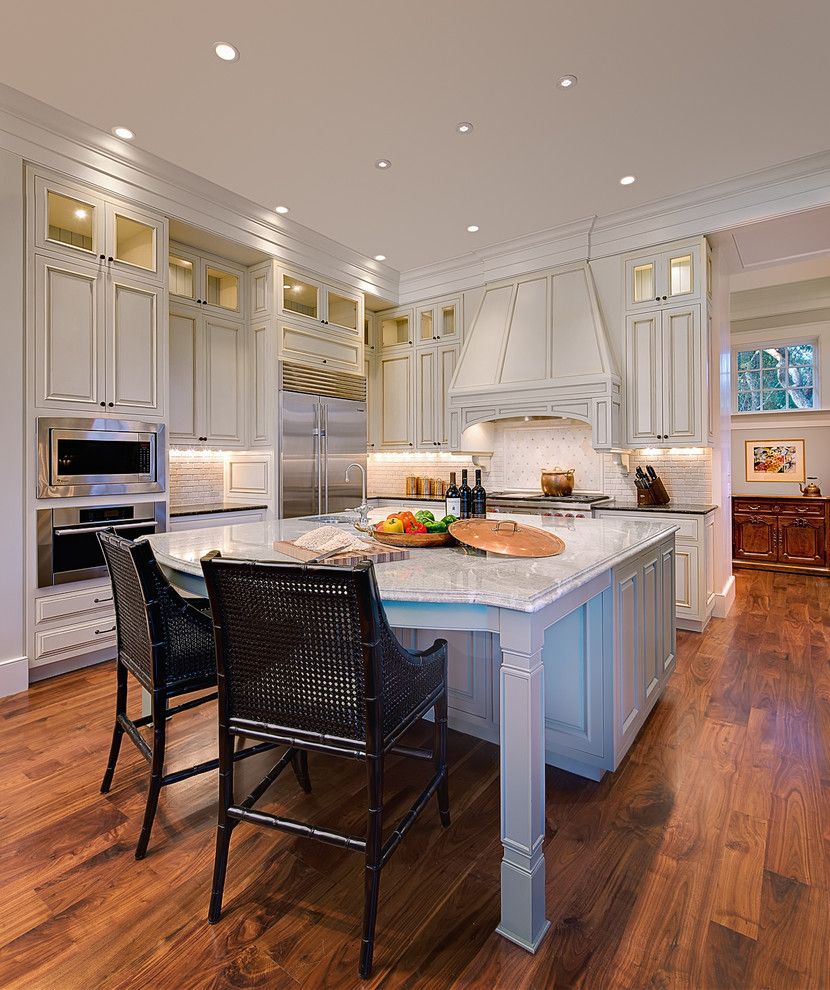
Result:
pixel 581 645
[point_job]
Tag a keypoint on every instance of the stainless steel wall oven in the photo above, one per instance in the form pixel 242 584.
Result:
pixel 67 538
pixel 99 457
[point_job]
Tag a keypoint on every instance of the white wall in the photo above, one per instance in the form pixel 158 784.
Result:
pixel 789 312
pixel 13 664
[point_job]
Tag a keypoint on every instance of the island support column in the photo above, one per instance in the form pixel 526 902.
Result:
pixel 522 739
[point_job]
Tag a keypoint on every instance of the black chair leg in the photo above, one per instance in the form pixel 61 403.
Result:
pixel 159 711
pixel 299 763
pixel 118 731
pixel 439 753
pixel 224 825
pixel 371 872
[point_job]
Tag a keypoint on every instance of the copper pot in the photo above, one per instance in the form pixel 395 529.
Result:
pixel 558 482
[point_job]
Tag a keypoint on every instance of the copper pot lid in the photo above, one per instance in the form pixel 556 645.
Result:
pixel 507 537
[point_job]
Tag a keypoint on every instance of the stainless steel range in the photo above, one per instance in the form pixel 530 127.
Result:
pixel 577 504
pixel 99 457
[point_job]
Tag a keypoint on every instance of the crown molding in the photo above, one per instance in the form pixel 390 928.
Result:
pixel 793 186
pixel 42 135
pixel 561 245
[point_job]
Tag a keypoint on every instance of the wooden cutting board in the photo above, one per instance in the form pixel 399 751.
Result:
pixel 377 553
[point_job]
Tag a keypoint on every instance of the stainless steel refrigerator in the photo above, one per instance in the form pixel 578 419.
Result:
pixel 322 429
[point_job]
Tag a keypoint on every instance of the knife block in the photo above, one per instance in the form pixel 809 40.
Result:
pixel 645 496
pixel 659 493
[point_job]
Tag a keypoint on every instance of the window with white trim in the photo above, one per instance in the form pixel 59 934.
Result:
pixel 776 377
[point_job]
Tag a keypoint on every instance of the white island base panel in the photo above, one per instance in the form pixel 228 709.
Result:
pixel 580 661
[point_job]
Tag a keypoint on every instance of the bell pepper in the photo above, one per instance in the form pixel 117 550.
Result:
pixel 424 516
pixel 438 526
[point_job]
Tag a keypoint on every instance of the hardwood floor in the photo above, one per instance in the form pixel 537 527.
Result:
pixel 704 862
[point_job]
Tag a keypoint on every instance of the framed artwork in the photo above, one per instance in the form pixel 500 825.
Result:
pixel 775 460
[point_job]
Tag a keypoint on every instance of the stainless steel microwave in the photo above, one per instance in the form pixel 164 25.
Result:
pixel 99 457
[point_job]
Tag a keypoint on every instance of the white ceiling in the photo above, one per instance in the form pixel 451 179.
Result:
pixel 681 95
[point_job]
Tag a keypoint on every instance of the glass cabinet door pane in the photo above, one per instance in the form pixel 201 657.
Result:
pixel 342 311
pixel 680 275
pixel 222 289
pixel 448 320
pixel 299 297
pixel 135 243
pixel 69 221
pixel 394 330
pixel 181 277
pixel 426 330
pixel 644 282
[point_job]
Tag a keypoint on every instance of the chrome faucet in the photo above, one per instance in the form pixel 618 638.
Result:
pixel 364 507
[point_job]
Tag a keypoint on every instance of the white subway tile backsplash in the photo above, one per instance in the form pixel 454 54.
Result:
pixel 196 476
pixel 522 449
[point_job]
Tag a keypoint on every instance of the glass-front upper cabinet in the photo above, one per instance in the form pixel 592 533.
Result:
pixel 438 321
pixel 305 297
pixel 300 297
pixel 662 278
pixel 70 222
pixel 135 240
pixel 221 288
pixel 183 274
pixel 73 220
pixel 395 328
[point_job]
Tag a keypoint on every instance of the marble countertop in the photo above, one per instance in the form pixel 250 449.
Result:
pixel 446 575
pixel 685 508
pixel 205 508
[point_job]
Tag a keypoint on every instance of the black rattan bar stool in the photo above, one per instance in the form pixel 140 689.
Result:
pixel 306 657
pixel 166 642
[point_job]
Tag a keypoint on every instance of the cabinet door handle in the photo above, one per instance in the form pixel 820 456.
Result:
pixel 103 632
pixel 100 601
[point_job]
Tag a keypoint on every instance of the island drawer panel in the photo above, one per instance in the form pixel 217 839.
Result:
pixel 71 603
pixel 688 527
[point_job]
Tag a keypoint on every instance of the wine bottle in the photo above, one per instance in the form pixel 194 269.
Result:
pixel 465 497
pixel 452 504
pixel 479 499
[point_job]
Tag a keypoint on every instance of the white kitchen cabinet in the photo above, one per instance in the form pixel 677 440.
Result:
pixel 371 403
pixel 75 623
pixel 306 298
pixel 440 320
pixel 98 337
pixel 317 347
pixel 434 368
pixel 644 657
pixel 666 276
pixel 693 563
pixel 666 378
pixel 207 380
pixel 263 391
pixel 213 284
pixel 395 401
pixel 73 221
pixel 394 329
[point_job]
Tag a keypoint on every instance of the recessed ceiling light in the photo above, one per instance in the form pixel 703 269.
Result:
pixel 226 51
pixel 464 127
pixel 280 209
pixel 472 228
pixel 627 180
pixel 81 214
pixel 380 257
pixel 124 133
pixel 566 82
pixel 383 163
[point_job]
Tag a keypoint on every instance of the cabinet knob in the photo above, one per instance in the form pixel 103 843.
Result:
pixel 110 404
pixel 657 299
pixel 103 257
pixel 198 302
pixel 102 403
pixel 325 361
pixel 665 298
pixel 110 259
pixel 410 443
pixel 410 342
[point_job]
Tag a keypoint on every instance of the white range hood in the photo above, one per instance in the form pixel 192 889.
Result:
pixel 538 347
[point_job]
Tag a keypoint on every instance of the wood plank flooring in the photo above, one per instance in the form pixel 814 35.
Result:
pixel 703 863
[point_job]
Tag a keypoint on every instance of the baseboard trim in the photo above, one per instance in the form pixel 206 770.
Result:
pixel 14 676
pixel 725 598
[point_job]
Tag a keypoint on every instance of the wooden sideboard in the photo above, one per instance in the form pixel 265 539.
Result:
pixel 785 533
